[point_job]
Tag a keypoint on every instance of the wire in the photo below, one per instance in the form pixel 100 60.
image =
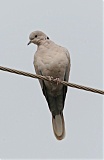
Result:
pixel 52 81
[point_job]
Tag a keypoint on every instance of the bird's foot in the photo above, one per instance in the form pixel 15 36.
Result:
pixel 57 80
pixel 50 78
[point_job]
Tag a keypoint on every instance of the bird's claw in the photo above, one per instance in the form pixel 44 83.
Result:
pixel 57 80
pixel 50 78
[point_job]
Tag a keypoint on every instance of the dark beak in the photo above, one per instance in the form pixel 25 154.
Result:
pixel 29 43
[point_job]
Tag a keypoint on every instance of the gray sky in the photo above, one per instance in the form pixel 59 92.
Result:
pixel 25 120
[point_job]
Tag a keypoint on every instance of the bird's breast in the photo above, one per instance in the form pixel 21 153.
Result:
pixel 54 65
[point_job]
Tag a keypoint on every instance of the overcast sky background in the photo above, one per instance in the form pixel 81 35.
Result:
pixel 25 120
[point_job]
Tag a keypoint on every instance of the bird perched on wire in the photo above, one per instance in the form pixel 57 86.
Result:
pixel 53 61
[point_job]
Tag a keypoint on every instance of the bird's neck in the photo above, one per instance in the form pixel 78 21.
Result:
pixel 45 43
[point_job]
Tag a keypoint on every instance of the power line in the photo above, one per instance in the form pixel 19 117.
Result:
pixel 52 81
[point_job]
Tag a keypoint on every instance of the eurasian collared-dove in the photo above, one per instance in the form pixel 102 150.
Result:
pixel 53 61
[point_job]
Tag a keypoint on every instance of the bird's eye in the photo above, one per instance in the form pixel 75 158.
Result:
pixel 47 37
pixel 35 36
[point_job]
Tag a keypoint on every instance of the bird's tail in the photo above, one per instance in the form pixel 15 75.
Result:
pixel 58 126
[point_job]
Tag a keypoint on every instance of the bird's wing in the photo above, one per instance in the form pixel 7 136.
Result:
pixel 67 72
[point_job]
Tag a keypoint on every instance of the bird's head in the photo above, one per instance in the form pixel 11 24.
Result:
pixel 37 37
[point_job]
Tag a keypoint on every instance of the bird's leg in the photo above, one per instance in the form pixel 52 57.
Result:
pixel 57 80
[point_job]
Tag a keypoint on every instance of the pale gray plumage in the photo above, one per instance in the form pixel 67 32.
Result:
pixel 52 60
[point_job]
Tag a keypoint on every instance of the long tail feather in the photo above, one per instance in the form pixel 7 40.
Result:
pixel 58 126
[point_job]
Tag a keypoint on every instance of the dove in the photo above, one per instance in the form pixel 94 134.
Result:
pixel 52 61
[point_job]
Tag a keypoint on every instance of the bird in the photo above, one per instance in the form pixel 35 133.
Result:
pixel 53 61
